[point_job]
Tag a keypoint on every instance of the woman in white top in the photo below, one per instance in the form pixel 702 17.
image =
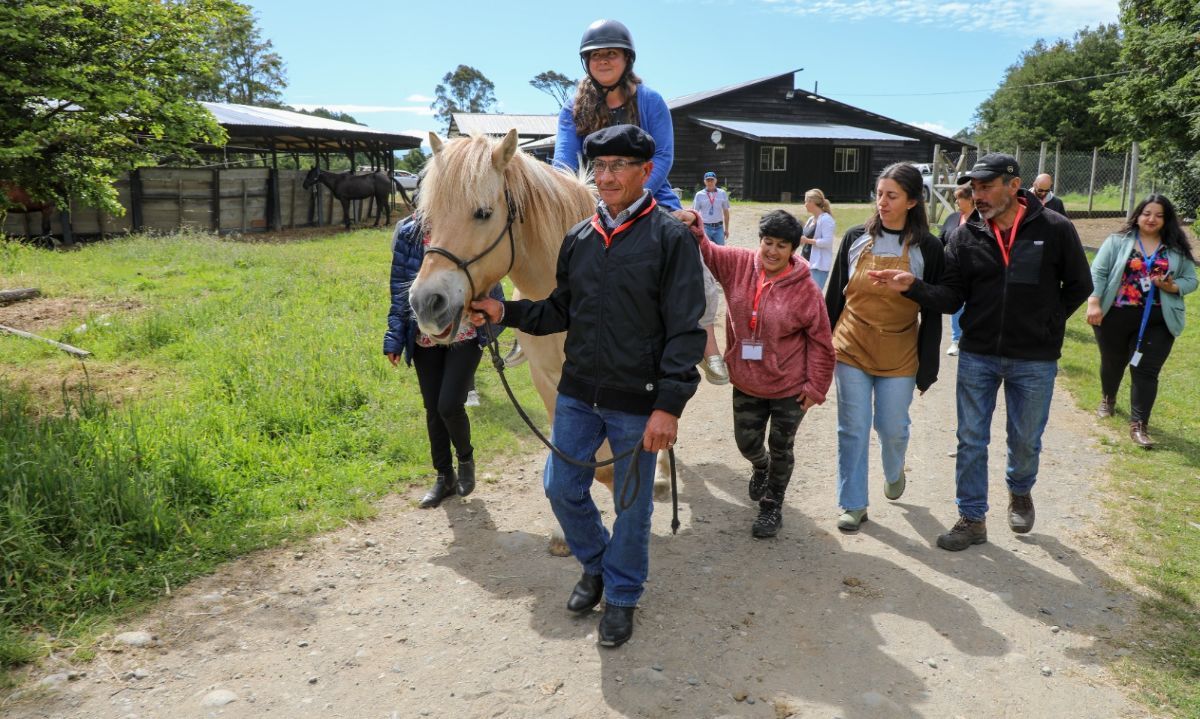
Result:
pixel 818 232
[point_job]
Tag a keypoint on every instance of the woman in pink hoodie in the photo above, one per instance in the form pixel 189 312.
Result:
pixel 778 350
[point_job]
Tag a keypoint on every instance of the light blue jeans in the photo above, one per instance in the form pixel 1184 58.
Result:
pixel 715 232
pixel 861 397
pixel 624 557
pixel 819 276
pixel 1028 389
pixel 955 327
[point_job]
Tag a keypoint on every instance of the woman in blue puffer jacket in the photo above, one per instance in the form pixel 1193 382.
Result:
pixel 444 372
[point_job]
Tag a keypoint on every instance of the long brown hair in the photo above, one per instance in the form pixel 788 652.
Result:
pixel 592 112
pixel 916 223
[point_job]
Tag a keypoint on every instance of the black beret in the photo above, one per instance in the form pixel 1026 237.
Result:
pixel 620 141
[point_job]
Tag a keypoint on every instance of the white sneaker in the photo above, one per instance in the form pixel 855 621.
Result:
pixel 953 351
pixel 472 399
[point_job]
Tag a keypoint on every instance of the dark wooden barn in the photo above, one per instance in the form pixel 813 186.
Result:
pixel 770 141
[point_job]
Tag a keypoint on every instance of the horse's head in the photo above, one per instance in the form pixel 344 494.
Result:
pixel 464 207
pixel 311 178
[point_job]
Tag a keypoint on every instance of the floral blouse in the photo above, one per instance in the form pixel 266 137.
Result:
pixel 1131 293
pixel 466 330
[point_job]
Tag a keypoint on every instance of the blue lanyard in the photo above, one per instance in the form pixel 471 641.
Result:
pixel 1149 296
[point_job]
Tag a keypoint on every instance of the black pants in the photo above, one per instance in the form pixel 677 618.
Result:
pixel 1117 338
pixel 445 374
pixel 750 415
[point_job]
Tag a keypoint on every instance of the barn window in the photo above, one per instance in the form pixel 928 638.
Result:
pixel 772 158
pixel 845 159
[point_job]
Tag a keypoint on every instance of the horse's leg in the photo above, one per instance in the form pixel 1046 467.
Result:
pixel 662 476
pixel 346 212
pixel 383 204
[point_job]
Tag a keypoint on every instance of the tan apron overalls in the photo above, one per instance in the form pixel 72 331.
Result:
pixel 877 331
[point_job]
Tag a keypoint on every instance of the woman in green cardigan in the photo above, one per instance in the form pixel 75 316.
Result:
pixel 1139 278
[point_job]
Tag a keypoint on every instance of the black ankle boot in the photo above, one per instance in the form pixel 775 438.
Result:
pixel 466 478
pixel 442 488
pixel 770 519
pixel 616 626
pixel 587 593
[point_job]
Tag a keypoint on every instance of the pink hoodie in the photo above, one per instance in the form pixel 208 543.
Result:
pixel 793 324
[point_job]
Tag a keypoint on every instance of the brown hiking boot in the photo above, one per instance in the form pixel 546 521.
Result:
pixel 1020 512
pixel 1106 407
pixel 964 533
pixel 1139 433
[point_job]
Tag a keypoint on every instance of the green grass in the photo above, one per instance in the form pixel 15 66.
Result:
pixel 1106 198
pixel 264 410
pixel 1154 511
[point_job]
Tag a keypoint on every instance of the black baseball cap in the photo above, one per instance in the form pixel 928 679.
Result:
pixel 992 166
pixel 621 141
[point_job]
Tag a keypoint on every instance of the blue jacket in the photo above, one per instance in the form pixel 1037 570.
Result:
pixel 1108 269
pixel 654 118
pixel 408 250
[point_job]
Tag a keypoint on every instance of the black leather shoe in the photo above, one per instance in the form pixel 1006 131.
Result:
pixel 587 593
pixel 1020 512
pixel 466 478
pixel 442 488
pixel 616 626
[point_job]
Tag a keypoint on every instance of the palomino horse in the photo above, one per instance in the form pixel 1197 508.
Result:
pixel 16 199
pixel 348 186
pixel 475 192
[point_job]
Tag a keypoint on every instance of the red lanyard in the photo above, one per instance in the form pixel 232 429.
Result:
pixel 608 238
pixel 762 281
pixel 712 201
pixel 1006 249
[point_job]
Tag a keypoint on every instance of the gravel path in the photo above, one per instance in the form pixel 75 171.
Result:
pixel 458 611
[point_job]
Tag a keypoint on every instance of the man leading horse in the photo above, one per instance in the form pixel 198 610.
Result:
pixel 629 296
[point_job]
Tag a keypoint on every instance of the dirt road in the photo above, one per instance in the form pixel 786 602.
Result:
pixel 458 612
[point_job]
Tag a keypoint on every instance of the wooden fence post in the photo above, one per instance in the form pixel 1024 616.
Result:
pixel 273 215
pixel 1042 158
pixel 135 200
pixel 1057 153
pixel 1092 182
pixel 1133 174
pixel 214 202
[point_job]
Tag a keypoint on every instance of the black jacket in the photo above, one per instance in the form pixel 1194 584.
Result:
pixel 1019 311
pixel 1054 203
pixel 631 312
pixel 929 335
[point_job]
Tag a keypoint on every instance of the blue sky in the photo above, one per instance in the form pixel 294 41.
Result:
pixel 925 63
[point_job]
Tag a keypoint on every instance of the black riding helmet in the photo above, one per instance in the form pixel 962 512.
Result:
pixel 605 34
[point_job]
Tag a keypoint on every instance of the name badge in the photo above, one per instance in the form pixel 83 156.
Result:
pixel 752 350
pixel 1137 357
pixel 1146 284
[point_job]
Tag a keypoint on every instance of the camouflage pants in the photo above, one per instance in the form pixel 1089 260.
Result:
pixel 763 449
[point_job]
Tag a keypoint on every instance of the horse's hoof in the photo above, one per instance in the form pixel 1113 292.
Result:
pixel 558 545
pixel 662 490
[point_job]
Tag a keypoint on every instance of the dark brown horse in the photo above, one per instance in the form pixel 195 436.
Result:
pixel 16 199
pixel 348 186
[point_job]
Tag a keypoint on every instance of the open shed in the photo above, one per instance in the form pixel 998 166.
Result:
pixel 240 187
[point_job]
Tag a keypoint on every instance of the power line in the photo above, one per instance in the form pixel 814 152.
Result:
pixel 990 89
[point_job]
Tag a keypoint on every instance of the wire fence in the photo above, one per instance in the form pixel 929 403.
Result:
pixel 1091 183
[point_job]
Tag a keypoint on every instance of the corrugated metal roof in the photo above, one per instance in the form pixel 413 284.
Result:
pixel 235 115
pixel 798 131
pixel 481 123
pixel 701 96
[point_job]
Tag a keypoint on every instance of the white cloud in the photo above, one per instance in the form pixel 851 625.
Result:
pixel 1018 19
pixel 418 98
pixel 367 109
pixel 937 127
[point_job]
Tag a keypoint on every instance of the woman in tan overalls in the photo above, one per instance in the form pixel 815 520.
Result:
pixel 886 345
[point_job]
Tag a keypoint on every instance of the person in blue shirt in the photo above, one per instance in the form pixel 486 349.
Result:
pixel 609 94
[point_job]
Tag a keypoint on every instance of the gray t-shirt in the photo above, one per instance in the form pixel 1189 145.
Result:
pixel 886 245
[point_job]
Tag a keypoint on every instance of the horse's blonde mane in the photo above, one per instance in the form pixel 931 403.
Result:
pixel 547 201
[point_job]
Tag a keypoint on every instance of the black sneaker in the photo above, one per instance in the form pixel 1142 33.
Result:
pixel 758 483
pixel 1020 512
pixel 770 519
pixel 964 533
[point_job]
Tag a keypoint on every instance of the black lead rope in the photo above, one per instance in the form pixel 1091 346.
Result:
pixel 626 498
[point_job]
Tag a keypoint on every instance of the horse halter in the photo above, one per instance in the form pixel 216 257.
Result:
pixel 464 264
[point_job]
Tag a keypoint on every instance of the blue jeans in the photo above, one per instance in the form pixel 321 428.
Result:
pixel 715 232
pixel 955 327
pixel 819 276
pixel 892 396
pixel 623 558
pixel 1028 389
